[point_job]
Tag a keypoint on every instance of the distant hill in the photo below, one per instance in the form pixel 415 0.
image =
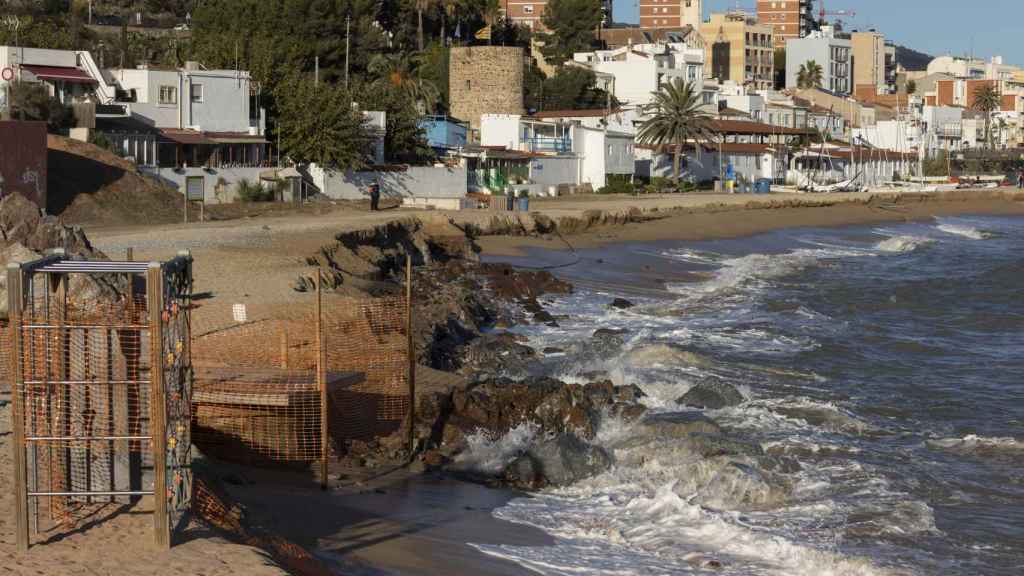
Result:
pixel 912 59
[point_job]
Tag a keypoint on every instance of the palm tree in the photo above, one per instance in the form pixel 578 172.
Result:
pixel 987 101
pixel 675 118
pixel 401 72
pixel 810 75
pixel 421 7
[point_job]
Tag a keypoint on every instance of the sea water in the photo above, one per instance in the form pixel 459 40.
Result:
pixel 883 368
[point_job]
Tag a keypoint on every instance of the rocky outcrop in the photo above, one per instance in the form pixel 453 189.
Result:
pixel 676 425
pixel 26 234
pixel 711 395
pixel 621 304
pixel 558 461
pixel 497 405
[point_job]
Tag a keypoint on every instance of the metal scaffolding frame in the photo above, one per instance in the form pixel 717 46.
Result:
pixel 101 389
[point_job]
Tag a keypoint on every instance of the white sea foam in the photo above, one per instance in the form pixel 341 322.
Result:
pixel 903 243
pixel 965 231
pixel 972 442
pixel 653 517
pixel 490 454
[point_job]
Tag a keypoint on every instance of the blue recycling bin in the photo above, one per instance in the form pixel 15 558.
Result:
pixel 524 204
pixel 763 186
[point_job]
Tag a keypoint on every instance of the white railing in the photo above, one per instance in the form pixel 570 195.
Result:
pixel 104 91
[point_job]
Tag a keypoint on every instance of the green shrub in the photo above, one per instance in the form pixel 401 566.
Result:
pixel 618 184
pixel 247 191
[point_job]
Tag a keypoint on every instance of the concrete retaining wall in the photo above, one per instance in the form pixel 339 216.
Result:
pixel 176 178
pixel 412 181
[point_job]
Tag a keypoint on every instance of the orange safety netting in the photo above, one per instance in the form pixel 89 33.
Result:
pixel 257 395
pixel 85 371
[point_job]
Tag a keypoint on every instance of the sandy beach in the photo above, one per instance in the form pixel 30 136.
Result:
pixel 401 522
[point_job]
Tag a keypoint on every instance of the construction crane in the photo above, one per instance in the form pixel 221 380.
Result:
pixel 825 13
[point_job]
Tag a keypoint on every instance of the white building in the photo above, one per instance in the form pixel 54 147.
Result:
pixel 71 76
pixel 898 135
pixel 594 153
pixel 635 72
pixel 193 98
pixel 830 52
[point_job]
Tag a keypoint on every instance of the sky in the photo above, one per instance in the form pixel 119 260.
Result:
pixel 936 27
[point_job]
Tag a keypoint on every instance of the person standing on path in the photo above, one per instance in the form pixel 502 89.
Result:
pixel 1020 179
pixel 374 197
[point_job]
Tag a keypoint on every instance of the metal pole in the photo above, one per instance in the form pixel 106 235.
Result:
pixel 14 303
pixel 321 379
pixel 348 21
pixel 411 353
pixel 158 404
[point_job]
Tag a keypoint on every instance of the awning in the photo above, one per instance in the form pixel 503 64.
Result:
pixel 186 137
pixel 235 138
pixel 60 73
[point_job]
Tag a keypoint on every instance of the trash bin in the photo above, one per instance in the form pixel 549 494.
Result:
pixel 524 204
pixel 511 205
pixel 763 186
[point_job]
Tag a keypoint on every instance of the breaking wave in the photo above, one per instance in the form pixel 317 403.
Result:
pixel 902 244
pixel 964 231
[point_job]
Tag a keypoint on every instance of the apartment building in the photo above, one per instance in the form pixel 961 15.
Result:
pixel 869 61
pixel 530 13
pixel 789 18
pixel 671 13
pixel 827 49
pixel 740 49
pixel 634 73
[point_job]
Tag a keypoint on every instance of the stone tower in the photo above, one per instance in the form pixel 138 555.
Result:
pixel 485 80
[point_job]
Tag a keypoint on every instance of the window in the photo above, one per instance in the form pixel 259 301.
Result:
pixel 168 95
pixel 197 92
pixel 528 9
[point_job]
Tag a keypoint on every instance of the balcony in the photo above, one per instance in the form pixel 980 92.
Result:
pixel 548 144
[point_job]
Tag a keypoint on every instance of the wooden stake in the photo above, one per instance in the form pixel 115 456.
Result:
pixel 129 255
pixel 411 353
pixel 284 347
pixel 14 305
pixel 158 404
pixel 321 380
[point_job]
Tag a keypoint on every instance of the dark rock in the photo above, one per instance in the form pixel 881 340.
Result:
pixel 710 445
pixel 559 461
pixel 628 412
pixel 524 472
pixel 495 352
pixel 543 317
pixel 553 350
pixel 609 333
pixel 677 424
pixel 498 405
pixel 629 393
pixel 711 395
pixel 511 284
pixel 602 392
pixel 594 375
pixel 621 304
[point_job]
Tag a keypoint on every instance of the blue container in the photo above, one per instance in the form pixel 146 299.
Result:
pixel 763 186
pixel 510 202
pixel 524 204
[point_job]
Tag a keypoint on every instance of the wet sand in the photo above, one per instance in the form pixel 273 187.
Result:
pixel 396 522
pixel 733 220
